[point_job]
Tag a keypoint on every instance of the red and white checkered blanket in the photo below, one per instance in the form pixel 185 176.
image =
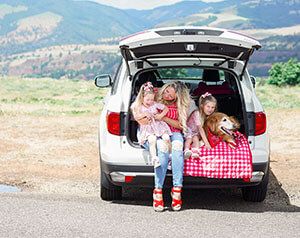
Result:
pixel 222 161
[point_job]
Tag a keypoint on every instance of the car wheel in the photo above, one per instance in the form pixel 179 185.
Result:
pixel 109 191
pixel 257 193
pixel 111 194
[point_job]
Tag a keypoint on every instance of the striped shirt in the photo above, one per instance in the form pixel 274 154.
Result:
pixel 173 114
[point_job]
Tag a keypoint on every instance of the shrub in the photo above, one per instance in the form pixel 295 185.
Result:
pixel 287 73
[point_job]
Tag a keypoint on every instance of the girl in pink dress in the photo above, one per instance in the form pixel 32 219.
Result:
pixel 145 106
pixel 207 106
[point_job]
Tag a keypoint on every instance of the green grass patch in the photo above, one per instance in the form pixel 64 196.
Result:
pixel 49 97
pixel 278 97
pixel 45 96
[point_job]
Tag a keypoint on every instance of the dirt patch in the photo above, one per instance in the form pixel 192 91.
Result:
pixel 50 154
pixel 284 130
pixel 60 154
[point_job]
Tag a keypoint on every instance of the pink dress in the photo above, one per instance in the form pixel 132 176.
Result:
pixel 193 123
pixel 157 128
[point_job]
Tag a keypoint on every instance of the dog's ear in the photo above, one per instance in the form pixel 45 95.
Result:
pixel 235 122
pixel 211 123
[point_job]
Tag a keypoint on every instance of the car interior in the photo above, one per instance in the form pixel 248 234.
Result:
pixel 220 83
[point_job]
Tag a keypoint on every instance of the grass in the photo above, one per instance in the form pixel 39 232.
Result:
pixel 49 97
pixel 273 97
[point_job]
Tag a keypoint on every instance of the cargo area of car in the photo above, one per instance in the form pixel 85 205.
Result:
pixel 222 84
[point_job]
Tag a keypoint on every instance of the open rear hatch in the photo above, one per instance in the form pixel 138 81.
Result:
pixel 188 42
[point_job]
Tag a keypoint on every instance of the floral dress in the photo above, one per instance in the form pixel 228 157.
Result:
pixel 193 123
pixel 157 128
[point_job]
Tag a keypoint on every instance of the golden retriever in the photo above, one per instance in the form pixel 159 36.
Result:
pixel 221 127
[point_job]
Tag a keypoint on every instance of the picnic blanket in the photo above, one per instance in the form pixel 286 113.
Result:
pixel 222 161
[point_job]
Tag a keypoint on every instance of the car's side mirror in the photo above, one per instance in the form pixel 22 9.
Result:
pixel 253 80
pixel 103 80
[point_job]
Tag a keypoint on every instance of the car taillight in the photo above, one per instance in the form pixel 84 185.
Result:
pixel 113 123
pixel 260 123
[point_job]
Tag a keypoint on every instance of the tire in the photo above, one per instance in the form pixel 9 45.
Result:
pixel 109 191
pixel 110 194
pixel 257 193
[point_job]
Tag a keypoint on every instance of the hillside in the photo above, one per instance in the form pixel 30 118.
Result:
pixel 237 14
pixel 29 26
pixel 67 61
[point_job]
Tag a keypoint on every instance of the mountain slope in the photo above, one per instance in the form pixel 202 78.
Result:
pixel 269 14
pixel 29 24
pixel 243 14
pixel 77 22
pixel 29 28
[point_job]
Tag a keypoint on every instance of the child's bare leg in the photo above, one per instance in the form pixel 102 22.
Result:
pixel 187 151
pixel 152 150
pixel 196 142
pixel 187 143
pixel 166 137
pixel 196 145
pixel 201 143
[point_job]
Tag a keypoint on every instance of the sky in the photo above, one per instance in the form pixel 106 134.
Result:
pixel 141 4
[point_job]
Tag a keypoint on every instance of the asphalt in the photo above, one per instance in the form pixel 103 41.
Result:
pixel 206 213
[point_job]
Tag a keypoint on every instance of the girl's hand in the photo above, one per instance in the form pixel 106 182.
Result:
pixel 144 121
pixel 158 117
pixel 208 147
pixel 148 115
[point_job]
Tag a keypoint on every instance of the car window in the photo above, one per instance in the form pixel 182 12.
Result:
pixel 222 75
pixel 180 73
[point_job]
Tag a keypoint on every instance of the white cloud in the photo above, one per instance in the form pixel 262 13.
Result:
pixel 141 4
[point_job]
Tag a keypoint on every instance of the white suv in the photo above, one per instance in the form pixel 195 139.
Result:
pixel 206 59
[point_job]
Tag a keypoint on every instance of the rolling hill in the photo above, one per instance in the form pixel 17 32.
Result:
pixel 30 24
pixel 27 26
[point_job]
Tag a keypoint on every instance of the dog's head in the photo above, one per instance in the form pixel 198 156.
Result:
pixel 219 124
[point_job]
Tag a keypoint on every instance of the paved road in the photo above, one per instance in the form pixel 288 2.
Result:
pixel 207 213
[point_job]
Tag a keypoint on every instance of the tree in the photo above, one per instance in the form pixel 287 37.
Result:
pixel 287 73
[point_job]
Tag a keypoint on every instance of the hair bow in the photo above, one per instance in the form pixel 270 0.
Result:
pixel 148 86
pixel 206 95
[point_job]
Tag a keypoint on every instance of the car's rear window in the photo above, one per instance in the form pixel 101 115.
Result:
pixel 180 73
pixel 187 73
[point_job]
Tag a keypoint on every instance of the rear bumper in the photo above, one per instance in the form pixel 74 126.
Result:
pixel 143 176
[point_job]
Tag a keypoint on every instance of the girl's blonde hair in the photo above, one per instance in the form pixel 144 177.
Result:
pixel 182 100
pixel 146 88
pixel 205 98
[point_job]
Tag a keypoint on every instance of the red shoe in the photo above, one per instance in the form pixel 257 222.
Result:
pixel 158 205
pixel 176 203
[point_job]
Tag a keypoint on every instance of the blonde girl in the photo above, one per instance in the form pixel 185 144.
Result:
pixel 145 106
pixel 207 106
